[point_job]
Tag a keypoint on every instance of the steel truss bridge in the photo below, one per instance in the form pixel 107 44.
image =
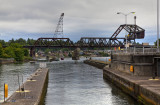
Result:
pixel 134 31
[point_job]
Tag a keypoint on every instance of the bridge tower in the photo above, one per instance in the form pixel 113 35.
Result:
pixel 59 28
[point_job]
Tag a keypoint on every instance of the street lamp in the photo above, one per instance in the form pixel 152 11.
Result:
pixel 126 23
pixel 158 25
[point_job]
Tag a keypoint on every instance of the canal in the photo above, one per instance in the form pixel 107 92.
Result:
pixel 73 83
pixel 70 83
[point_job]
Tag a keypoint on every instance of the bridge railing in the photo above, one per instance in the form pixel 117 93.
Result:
pixel 135 50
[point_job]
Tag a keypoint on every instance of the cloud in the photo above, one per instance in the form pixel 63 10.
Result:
pixel 91 17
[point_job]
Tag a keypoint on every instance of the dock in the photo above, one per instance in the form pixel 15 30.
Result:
pixel 34 90
pixel 144 89
pixel 142 84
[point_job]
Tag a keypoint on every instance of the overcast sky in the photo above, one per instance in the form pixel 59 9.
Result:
pixel 92 18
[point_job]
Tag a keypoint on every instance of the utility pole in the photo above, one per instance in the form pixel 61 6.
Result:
pixel 157 25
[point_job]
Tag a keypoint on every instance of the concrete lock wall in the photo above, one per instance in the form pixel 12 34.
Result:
pixel 139 87
pixel 95 63
pixel 133 87
pixel 143 64
pixel 36 85
pixel 145 70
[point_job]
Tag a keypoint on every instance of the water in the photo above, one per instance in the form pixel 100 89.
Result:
pixel 81 84
pixel 70 83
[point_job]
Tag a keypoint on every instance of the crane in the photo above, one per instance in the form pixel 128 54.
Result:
pixel 59 28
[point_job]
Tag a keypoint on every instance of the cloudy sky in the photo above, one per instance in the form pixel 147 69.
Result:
pixel 92 18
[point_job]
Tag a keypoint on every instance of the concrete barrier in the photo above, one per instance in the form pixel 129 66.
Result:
pixel 95 63
pixel 143 89
pixel 144 65
pixel 34 90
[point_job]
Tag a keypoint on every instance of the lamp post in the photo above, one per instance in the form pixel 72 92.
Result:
pixel 158 25
pixel 125 23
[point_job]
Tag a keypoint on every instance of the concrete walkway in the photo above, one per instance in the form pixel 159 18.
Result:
pixel 35 88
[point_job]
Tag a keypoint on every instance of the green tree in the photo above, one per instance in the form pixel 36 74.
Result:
pixel 19 54
pixel 1 51
pixel 2 42
pixel 11 41
pixel 9 51
pixel 16 45
pixel 26 52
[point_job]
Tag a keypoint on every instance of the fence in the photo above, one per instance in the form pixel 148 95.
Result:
pixel 135 50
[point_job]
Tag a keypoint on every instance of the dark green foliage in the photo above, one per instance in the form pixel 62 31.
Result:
pixel 19 54
pixel 21 41
pixel 16 45
pixel 1 51
pixel 15 51
pixel 9 52
pixel 30 41
pixel 3 42
pixel 26 52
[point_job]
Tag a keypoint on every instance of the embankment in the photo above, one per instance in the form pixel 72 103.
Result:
pixel 6 61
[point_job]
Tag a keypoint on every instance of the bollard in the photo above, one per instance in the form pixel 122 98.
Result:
pixel 131 69
pixel 5 91
pixel 119 48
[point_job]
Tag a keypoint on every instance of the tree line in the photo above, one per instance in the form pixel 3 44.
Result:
pixel 14 50
pixel 21 41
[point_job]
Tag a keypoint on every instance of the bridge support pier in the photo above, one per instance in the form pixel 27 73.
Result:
pixel 75 54
pixel 32 52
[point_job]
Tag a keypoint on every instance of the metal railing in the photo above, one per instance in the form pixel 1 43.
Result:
pixel 134 50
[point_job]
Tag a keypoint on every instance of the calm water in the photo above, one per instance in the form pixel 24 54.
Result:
pixel 69 84
pixel 81 84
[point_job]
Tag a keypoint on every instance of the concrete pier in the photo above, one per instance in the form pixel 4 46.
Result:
pixel 143 64
pixel 144 88
pixel 34 90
